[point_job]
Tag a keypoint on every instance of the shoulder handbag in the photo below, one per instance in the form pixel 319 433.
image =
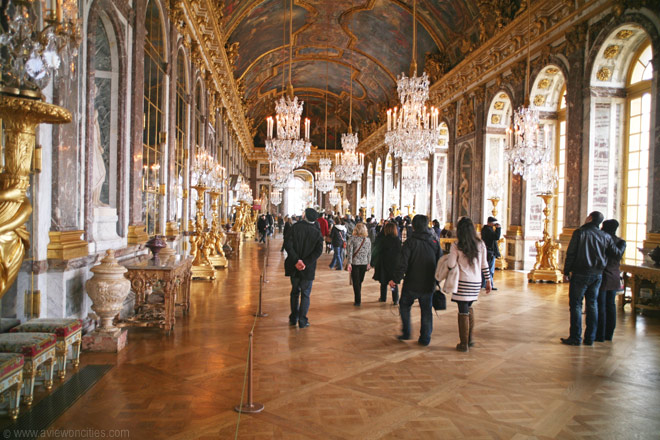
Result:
pixel 439 300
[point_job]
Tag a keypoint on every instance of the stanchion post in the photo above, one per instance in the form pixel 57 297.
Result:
pixel 249 407
pixel 259 313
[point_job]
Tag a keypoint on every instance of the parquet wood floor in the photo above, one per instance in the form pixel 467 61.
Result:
pixel 347 377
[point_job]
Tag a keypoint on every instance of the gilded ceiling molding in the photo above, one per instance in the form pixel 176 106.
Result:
pixel 201 19
pixel 550 22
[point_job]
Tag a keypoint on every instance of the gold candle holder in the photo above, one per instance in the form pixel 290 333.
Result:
pixel 546 268
pixel 500 263
pixel 216 237
pixel 199 249
pixel 20 118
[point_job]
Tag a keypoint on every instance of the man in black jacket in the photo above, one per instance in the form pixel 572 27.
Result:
pixel 419 256
pixel 304 245
pixel 262 227
pixel 586 257
pixel 490 233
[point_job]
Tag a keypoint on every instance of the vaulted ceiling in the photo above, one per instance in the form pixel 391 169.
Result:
pixel 368 42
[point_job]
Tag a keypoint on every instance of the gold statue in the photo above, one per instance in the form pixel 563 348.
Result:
pixel 545 268
pixel 20 117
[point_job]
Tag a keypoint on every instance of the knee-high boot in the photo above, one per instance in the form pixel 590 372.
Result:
pixel 463 331
pixel 470 341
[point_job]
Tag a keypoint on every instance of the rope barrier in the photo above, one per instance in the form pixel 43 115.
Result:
pixel 251 407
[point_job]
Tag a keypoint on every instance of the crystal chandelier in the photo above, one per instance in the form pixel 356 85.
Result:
pixel 546 178
pixel 40 37
pixel 287 149
pixel 325 179
pixel 349 165
pixel 413 180
pixel 245 193
pixel 334 197
pixel 412 131
pixel 276 196
pixel 202 168
pixel 279 175
pixel 526 148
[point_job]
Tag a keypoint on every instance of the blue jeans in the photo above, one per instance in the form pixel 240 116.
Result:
pixel 300 291
pixel 491 269
pixel 606 315
pixel 337 257
pixel 583 286
pixel 408 298
pixel 262 236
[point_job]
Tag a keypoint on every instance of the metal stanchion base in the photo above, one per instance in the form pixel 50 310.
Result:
pixel 260 315
pixel 249 409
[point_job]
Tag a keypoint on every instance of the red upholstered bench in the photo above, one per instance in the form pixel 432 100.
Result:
pixel 68 332
pixel 37 349
pixel 11 379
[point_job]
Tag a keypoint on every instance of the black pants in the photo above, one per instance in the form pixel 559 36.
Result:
pixel 357 276
pixel 606 315
pixel 464 306
pixel 383 292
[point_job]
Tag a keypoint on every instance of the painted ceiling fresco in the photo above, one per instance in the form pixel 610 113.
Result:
pixel 369 41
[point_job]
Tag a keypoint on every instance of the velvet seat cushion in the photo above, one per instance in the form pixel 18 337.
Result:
pixel 10 363
pixel 61 327
pixel 28 344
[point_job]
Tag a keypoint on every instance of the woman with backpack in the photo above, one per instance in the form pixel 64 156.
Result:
pixel 469 253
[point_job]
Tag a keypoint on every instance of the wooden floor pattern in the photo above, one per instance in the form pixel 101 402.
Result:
pixel 347 377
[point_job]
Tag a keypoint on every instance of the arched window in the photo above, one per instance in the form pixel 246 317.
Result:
pixel 496 170
pixel 439 206
pixel 636 157
pixel 154 118
pixel 370 189
pixel 199 116
pixel 181 134
pixel 560 160
pixel 378 190
pixel 390 197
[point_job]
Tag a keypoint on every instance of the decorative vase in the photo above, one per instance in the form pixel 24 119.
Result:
pixel 655 255
pixel 155 245
pixel 108 288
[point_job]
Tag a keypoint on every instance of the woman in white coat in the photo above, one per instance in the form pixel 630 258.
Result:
pixel 469 253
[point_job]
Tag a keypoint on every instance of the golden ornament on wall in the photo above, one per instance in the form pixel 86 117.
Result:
pixel 499 105
pixel 544 83
pixel 611 51
pixel 495 119
pixel 604 74
pixel 503 96
pixel 444 132
pixel 552 71
pixel 539 100
pixel 624 34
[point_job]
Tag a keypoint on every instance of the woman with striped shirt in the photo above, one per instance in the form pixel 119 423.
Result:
pixel 469 252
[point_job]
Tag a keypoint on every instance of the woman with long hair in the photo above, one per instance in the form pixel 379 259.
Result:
pixel 385 259
pixel 358 258
pixel 469 253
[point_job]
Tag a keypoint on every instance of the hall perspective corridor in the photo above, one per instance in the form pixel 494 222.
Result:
pixel 348 377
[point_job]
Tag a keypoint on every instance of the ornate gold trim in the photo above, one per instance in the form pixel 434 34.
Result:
pixel 514 230
pixel 137 234
pixel 66 245
pixel 172 229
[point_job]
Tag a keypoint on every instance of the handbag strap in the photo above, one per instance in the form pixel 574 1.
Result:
pixel 358 250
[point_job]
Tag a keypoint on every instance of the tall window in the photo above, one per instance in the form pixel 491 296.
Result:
pixel 560 160
pixel 637 154
pixel 154 75
pixel 180 153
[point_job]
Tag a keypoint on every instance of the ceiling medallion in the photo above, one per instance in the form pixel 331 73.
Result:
pixel 604 74
pixel 499 105
pixel 495 119
pixel 544 83
pixel 539 100
pixel 624 34
pixel 551 71
pixel 611 51
pixel 503 96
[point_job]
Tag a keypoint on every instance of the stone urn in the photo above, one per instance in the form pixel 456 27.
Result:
pixel 155 245
pixel 108 288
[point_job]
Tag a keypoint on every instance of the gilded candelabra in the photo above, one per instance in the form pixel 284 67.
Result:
pixel 500 263
pixel 546 268
pixel 20 117
pixel 216 237
pixel 200 246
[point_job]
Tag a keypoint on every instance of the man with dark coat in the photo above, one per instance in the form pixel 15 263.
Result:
pixel 586 258
pixel 262 227
pixel 419 256
pixel 304 245
pixel 269 222
pixel 490 233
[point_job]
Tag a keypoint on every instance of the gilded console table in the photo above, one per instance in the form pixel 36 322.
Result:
pixel 170 275
pixel 643 272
